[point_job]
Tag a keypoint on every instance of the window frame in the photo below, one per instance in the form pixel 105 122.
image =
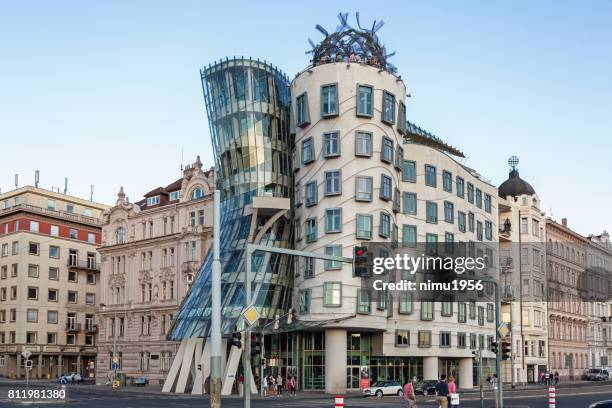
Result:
pixel 384 109
pixel 336 106
pixel 357 101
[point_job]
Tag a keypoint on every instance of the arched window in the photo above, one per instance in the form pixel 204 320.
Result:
pixel 120 235
pixel 197 193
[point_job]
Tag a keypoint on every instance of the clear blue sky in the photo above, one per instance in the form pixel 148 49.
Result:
pixel 107 93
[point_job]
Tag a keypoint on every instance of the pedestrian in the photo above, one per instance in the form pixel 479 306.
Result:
pixel 453 395
pixel 556 378
pixel 264 385
pixel 409 395
pixel 279 385
pixel 551 378
pixel 271 384
pixel 542 375
pixel 494 385
pixel 442 392
pixel 293 383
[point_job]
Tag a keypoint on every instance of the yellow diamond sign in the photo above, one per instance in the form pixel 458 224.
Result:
pixel 251 315
pixel 503 330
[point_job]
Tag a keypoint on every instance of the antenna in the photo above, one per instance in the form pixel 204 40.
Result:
pixel 36 178
pixel 16 180
pixel 181 160
pixel 513 161
pixel 91 193
pixel 65 185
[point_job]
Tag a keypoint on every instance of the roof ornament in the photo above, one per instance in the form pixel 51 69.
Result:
pixel 513 161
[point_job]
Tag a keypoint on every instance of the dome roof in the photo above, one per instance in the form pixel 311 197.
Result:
pixel 515 186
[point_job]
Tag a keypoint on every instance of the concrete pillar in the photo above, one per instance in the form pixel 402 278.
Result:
pixel 335 361
pixel 19 364
pixel 60 365
pixel 466 373
pixel 39 367
pixel 78 368
pixel 430 368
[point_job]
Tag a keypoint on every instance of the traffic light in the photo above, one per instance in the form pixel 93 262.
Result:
pixel 255 343
pixel 361 261
pixel 494 347
pixel 505 350
pixel 236 339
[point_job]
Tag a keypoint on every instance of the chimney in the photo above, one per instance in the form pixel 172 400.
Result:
pixel 564 222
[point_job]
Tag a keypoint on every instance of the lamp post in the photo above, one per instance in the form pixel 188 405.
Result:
pixel 215 325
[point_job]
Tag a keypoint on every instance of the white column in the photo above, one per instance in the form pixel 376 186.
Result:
pixel 430 368
pixel 466 373
pixel 335 361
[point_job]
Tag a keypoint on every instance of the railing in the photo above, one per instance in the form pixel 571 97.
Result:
pixel 73 327
pixel 52 213
pixel 91 328
pixel 87 265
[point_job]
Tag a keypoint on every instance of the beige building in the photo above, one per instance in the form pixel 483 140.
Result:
pixel 49 282
pixel 522 238
pixel 150 254
pixel 568 351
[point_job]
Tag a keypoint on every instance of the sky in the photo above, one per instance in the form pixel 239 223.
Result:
pixel 108 93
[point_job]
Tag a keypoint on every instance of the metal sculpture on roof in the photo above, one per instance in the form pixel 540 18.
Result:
pixel 350 44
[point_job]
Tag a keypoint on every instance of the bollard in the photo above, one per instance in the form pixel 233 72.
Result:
pixel 551 397
pixel 65 391
pixel 339 401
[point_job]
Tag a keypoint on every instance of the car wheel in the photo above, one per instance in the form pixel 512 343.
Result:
pixel 400 393
pixel 379 394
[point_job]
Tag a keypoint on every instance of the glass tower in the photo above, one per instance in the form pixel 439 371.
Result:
pixel 247 102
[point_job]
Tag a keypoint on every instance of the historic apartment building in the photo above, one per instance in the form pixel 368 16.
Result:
pixel 151 251
pixel 522 249
pixel 599 287
pixel 566 258
pixel 49 282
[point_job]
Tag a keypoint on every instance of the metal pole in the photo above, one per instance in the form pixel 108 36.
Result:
pixel 246 354
pixel 498 356
pixel 114 350
pixel 215 325
pixel 480 378
pixel 512 355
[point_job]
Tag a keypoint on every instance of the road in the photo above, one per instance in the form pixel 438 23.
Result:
pixel 80 396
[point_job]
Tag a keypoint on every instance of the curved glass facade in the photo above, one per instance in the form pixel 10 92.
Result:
pixel 247 102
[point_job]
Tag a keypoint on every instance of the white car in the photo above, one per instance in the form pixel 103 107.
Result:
pixel 382 388
pixel 69 378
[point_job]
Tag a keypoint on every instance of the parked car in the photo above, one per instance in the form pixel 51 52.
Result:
pixel 427 387
pixel 70 378
pixel 381 388
pixel 601 404
pixel 597 374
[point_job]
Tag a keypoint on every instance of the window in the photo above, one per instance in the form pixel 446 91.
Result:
pixel 447 181
pixel 309 268
pixel 410 203
pixel 409 171
pixel 364 226
pixel 445 339
pixel 72 276
pixel 329 100
pixel 53 251
pixel 386 152
pixel 34 248
pixel 33 226
pixel 51 338
pixel 333 220
pixel 384 229
pixel 409 235
pixel 54 230
pixel 72 296
pixel 333 250
pixel 424 338
pixel 479 230
pixel 53 295
pixel 307 150
pixel 388 108
pixel 364 100
pixel 32 271
pixel 480 316
pixel 73 233
pixel 363 144
pixel 5 249
pixel 175 195
pixel 461 220
pixel 70 208
pixel 304 301
pixel 471 221
pixel 311 230
pixel 488 230
pixel 535 228
pixel 332 182
pixel 31 337
pixel 462 313
pixel 53 273
pixel 385 187
pixel 405 302
pixel 32 293
pixel 201 217
pixel 302 112
pixel 430 176
pixel 449 212
pixel 427 310
pixel 90 299
pixel 197 193
pixel 32 315
pixel 490 312
pixel 311 193
pixel 487 202
pixel 331 144
pixel 152 200
pixel 91 238
pixel 333 294
pixel 461 340
pixel 363 301
pixel 363 188
pixel 431 243
pixel 432 212
pixel 399 157
pixel 470 193
pixel 402 338
pixel 401 118
pixel 478 198
pixel 460 187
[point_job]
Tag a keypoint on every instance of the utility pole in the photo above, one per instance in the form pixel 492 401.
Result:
pixel 498 355
pixel 246 354
pixel 480 378
pixel 215 326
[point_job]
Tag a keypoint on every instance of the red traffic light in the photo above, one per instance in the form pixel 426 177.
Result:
pixel 359 252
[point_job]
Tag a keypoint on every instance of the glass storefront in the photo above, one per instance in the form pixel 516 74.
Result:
pixel 313 361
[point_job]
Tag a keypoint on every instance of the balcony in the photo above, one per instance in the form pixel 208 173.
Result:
pixel 62 215
pixel 190 266
pixel 72 327
pixel 91 328
pixel 88 265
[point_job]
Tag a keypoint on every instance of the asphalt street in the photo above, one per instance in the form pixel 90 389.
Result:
pixel 99 396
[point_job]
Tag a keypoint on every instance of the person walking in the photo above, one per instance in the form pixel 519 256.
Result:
pixel 494 383
pixel 279 385
pixel 409 395
pixel 453 395
pixel 293 385
pixel 442 392
pixel 264 385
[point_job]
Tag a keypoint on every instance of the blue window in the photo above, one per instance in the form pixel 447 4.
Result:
pixel 409 171
pixel 401 118
pixel 449 212
pixel 363 188
pixel 364 100
pixel 329 100
pixel 333 220
pixel 332 182
pixel 307 150
pixel 430 176
pixel 479 230
pixel 311 193
pixel 449 240
pixel 487 203
pixel 431 243
pixel 385 187
pixel 410 203
pixel 488 230
pixel 470 188
pixel 333 250
pixel 447 181
pixel 331 144
pixel 363 144
pixel 384 229
pixel 460 187
pixel 478 198
pixel 409 235
pixel 364 226
pixel 302 114
pixel 388 113
pixel 432 212
pixel 461 220
pixel 471 221
pixel 311 230
pixel 386 153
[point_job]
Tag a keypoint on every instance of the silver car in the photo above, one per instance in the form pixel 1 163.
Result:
pixel 382 388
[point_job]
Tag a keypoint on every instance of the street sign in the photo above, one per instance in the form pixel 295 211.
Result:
pixel 28 364
pixel 251 315
pixel 503 330
pixel 114 366
pixel 26 354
